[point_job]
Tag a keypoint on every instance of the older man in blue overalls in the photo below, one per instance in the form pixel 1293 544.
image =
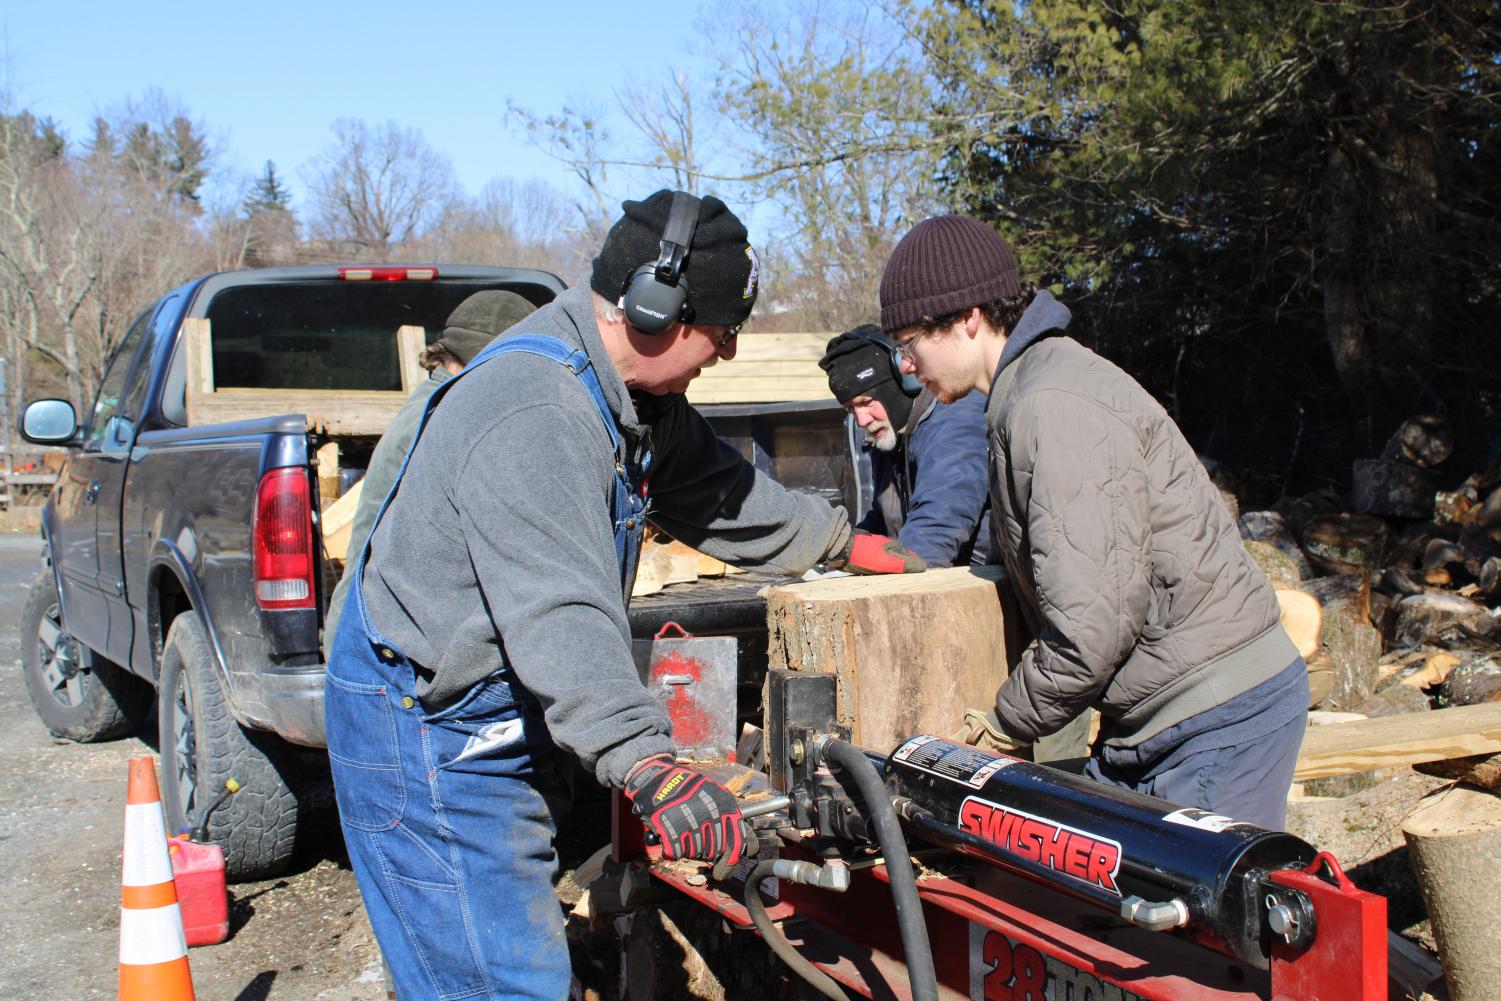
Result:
pixel 486 634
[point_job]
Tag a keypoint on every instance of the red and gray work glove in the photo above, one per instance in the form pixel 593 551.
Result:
pixel 872 554
pixel 694 816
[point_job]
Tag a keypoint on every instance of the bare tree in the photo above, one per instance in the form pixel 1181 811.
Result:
pixel 378 186
pixel 86 242
pixel 835 109
pixel 576 137
pixel 523 225
pixel 664 118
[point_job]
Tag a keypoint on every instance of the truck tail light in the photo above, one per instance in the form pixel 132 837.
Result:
pixel 388 274
pixel 283 539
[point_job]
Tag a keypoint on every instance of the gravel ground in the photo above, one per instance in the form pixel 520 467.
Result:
pixel 303 937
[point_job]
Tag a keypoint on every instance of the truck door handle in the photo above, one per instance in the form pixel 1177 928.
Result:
pixel 92 493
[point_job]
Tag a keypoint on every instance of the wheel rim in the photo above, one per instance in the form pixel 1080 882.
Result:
pixel 185 750
pixel 60 661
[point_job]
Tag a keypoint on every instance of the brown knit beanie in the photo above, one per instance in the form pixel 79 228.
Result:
pixel 945 264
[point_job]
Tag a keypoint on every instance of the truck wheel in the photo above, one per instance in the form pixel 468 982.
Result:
pixel 77 693
pixel 203 746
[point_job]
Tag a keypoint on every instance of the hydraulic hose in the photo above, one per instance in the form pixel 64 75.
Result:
pixel 909 917
pixel 778 942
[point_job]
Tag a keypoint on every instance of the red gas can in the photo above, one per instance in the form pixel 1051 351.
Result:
pixel 198 870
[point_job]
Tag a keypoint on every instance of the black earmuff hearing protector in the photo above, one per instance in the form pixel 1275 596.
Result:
pixel 905 380
pixel 658 295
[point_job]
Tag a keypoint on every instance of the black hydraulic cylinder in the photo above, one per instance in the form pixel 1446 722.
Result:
pixel 1098 842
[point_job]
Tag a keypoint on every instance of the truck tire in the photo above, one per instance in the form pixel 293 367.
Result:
pixel 203 746
pixel 78 693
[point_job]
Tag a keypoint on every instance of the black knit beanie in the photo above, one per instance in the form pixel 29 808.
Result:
pixel 722 269
pixel 478 319
pixel 945 264
pixel 858 366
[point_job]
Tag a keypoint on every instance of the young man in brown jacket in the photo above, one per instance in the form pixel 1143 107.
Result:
pixel 1129 569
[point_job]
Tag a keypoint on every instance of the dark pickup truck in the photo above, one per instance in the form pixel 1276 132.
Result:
pixel 184 561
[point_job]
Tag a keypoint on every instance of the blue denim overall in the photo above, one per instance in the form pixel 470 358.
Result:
pixel 449 816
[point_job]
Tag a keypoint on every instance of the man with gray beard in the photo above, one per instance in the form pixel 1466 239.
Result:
pixel 928 459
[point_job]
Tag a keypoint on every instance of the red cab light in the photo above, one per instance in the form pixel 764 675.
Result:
pixel 388 274
pixel 282 536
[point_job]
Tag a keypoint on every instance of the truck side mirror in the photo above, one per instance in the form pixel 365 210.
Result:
pixel 49 422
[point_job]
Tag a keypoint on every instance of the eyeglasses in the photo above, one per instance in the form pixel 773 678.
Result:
pixel 728 336
pixel 905 350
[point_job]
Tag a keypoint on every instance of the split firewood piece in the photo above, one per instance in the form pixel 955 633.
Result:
pixel 1399 741
pixel 1345 543
pixel 327 460
pixel 1473 681
pixel 1271 528
pixel 1483 770
pixel 1479 547
pixel 1456 507
pixel 1490 578
pixel 1394 700
pixel 337 523
pixel 1347 635
pixel 1302 618
pixel 1443 563
pixel 1396 664
pixel 1454 839
pixel 1446 620
pixel 1435 669
pixel 1397 583
pixel 1281 569
pixel 1320 679
pixel 1406 548
pixel 1488 515
pixel 1393 489
pixel 1323 717
pixel 652 571
pixel 1423 441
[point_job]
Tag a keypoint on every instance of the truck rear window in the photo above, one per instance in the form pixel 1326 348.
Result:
pixel 324 334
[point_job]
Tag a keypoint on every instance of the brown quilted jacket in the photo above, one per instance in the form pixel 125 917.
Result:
pixel 1143 601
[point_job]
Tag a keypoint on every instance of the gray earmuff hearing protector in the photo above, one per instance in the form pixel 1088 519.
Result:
pixel 658 295
pixel 907 381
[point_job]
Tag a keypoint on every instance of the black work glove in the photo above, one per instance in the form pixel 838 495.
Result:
pixel 872 554
pixel 694 816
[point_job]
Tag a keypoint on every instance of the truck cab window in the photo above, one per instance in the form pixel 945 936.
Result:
pixel 109 423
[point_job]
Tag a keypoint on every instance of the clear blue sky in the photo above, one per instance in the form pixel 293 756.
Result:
pixel 268 78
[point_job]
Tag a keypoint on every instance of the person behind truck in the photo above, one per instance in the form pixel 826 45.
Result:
pixel 486 637
pixel 1129 568
pixel 928 461
pixel 472 325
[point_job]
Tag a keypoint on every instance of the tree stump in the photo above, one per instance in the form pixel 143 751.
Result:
pixel 1454 837
pixel 911 651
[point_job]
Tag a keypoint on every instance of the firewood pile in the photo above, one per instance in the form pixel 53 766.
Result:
pixel 1391 594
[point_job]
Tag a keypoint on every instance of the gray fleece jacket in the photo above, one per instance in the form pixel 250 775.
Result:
pixel 1131 572
pixel 498 550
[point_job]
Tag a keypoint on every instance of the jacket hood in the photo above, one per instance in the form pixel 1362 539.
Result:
pixel 1044 317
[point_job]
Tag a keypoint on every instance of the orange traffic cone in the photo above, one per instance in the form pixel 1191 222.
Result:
pixel 153 948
